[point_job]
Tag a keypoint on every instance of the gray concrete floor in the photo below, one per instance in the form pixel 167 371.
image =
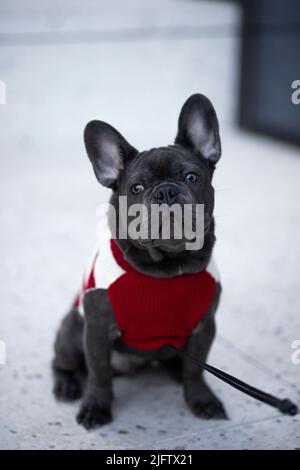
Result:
pixel 133 63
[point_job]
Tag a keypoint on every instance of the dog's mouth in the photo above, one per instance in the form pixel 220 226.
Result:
pixel 171 244
pixel 171 230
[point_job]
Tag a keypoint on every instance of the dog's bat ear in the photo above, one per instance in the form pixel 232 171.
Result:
pixel 107 150
pixel 198 128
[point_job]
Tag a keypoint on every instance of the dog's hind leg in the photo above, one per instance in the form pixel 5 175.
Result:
pixel 174 367
pixel 69 364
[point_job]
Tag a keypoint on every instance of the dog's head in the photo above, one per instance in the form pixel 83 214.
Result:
pixel 177 174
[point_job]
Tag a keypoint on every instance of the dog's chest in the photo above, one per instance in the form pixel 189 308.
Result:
pixel 150 312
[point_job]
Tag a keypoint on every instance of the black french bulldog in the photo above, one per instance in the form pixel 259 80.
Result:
pixel 88 351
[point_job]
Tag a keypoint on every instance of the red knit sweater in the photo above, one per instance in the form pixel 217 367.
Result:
pixel 150 312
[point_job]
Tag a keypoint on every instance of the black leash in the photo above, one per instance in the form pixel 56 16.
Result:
pixel 284 405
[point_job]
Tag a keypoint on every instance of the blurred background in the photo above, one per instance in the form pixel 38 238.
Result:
pixel 133 63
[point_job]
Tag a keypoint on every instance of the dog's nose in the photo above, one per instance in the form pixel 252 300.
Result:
pixel 166 194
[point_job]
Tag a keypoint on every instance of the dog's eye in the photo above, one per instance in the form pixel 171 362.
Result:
pixel 191 177
pixel 137 188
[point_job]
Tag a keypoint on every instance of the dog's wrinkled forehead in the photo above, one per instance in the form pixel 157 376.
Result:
pixel 163 163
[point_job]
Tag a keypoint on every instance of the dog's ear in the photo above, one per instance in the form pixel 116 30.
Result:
pixel 198 128
pixel 107 150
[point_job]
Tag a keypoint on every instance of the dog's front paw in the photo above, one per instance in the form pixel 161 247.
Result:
pixel 92 414
pixel 211 409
